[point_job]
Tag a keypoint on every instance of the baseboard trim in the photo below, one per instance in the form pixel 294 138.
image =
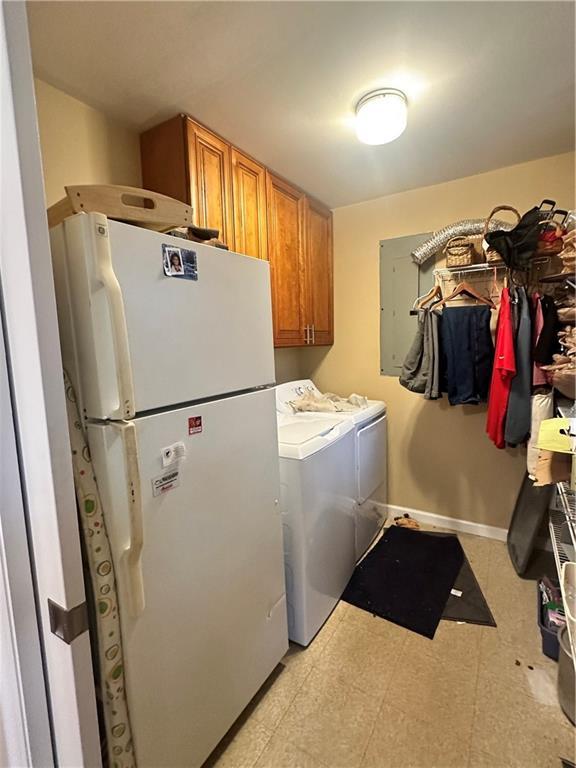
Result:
pixel 454 524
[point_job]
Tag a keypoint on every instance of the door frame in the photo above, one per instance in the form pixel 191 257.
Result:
pixel 38 403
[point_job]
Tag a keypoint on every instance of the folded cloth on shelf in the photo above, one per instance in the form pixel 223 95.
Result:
pixel 328 403
pixel 563 378
pixel 567 314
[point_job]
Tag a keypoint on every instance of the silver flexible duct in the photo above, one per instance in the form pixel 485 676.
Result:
pixel 465 227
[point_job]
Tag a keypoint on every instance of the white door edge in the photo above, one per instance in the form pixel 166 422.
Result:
pixel 38 398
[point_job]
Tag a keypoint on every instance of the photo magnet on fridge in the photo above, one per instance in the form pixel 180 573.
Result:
pixel 179 262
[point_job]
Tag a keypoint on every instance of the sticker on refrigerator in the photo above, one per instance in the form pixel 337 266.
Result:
pixel 165 482
pixel 173 453
pixel 179 262
pixel 194 425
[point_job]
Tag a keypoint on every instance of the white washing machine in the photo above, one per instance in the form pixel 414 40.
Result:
pixel 370 459
pixel 317 481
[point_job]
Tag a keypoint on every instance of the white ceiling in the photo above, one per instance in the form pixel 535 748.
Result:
pixel 489 83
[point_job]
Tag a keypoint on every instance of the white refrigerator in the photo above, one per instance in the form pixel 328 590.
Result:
pixel 169 346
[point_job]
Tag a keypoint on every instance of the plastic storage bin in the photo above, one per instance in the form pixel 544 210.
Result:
pixel 550 644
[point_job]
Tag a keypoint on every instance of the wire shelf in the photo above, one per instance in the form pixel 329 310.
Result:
pixel 485 267
pixel 562 538
pixel 562 526
pixel 566 408
pixel 567 499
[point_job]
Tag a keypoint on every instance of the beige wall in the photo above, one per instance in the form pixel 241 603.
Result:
pixel 80 145
pixel 440 459
pixel 288 364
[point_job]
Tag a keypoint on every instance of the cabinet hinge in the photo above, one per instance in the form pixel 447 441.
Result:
pixel 68 624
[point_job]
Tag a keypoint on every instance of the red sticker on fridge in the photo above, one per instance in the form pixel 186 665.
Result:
pixel 194 425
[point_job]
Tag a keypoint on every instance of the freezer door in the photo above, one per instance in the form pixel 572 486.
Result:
pixel 136 339
pixel 203 608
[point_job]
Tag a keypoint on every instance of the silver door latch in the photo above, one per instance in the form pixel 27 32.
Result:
pixel 68 624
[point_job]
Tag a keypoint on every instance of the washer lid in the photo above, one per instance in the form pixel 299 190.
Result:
pixel 301 438
pixel 372 410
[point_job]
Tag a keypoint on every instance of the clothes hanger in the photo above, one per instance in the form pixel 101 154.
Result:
pixel 421 301
pixel 432 294
pixel 466 288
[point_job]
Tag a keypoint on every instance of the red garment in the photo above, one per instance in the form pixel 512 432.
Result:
pixel 503 372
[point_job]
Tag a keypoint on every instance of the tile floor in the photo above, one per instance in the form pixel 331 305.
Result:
pixel 369 694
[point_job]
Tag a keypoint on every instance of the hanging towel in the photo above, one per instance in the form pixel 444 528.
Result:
pixel 518 416
pixel 119 745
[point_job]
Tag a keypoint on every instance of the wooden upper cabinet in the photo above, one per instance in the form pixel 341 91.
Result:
pixel 165 161
pixel 210 157
pixel 249 196
pixel 319 281
pixel 286 256
pixel 184 160
pixel 256 213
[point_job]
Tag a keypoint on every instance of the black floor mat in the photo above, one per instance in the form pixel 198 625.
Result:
pixel 471 606
pixel 406 578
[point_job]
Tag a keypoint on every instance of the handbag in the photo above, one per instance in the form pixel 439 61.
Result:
pixel 491 254
pixel 518 245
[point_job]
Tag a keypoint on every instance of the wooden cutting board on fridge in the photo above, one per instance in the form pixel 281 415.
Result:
pixel 137 206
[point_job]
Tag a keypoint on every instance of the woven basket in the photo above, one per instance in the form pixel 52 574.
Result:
pixel 492 255
pixel 460 252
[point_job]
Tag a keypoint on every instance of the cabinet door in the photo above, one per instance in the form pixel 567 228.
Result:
pixel 319 285
pixel 165 161
pixel 211 181
pixel 286 255
pixel 249 195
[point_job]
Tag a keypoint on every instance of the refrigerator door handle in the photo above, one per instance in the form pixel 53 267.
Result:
pixel 132 555
pixel 123 365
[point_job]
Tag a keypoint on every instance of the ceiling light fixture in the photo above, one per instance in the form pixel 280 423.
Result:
pixel 381 116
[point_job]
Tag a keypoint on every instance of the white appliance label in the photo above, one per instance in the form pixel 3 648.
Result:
pixel 456 592
pixel 167 481
pixel 179 262
pixel 172 453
